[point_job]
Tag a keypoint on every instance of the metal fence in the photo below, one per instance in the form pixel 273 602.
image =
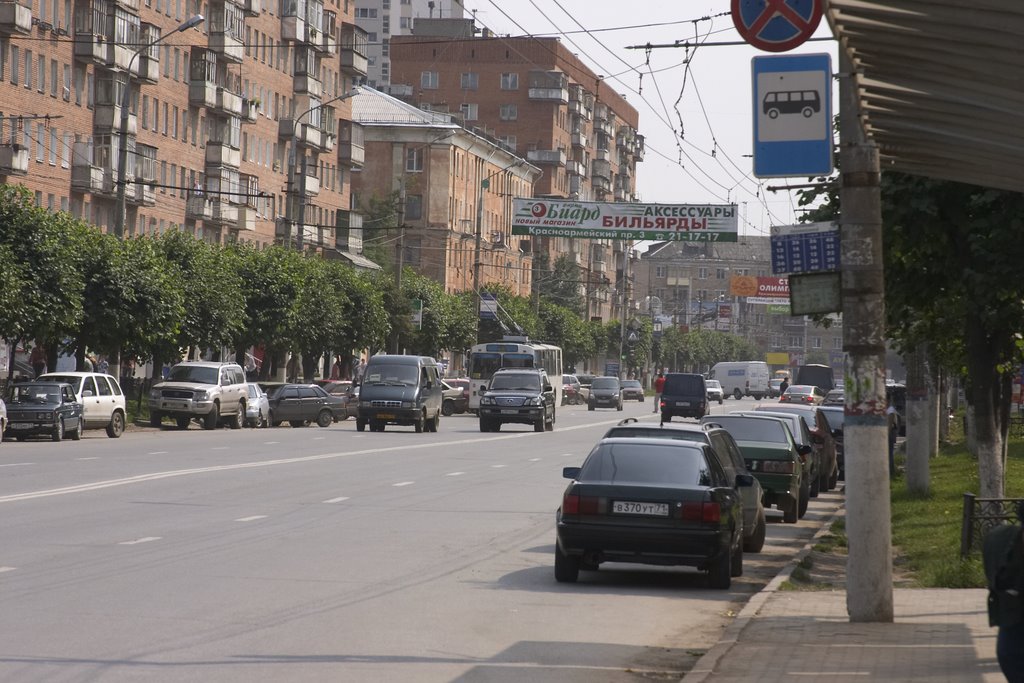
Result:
pixel 981 515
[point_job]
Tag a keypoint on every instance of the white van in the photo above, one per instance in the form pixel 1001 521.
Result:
pixel 743 378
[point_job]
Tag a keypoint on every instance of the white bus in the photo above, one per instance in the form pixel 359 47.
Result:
pixel 743 378
pixel 512 352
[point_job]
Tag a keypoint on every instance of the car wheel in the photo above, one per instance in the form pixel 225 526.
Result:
pixel 641 399
pixel 720 571
pixel 448 407
pixel 58 432
pixel 567 567
pixel 721 401
pixel 736 564
pixel 20 437
pixel 436 423
pixel 833 480
pixel 360 425
pixel 297 423
pixel 550 426
pixel 823 482
pixel 182 422
pixel 814 487
pixel 324 418
pixel 805 499
pixel 590 406
pixel 116 427
pixel 665 417
pixel 238 421
pixel 155 418
pixel 418 425
pixel 211 418
pixel 755 542
pixel 76 435
pixel 737 394
pixel 790 514
pixel 538 426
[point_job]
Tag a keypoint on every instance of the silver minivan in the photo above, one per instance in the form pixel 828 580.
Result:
pixel 400 390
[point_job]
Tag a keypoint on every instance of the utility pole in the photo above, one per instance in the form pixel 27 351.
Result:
pixel 401 247
pixel 869 564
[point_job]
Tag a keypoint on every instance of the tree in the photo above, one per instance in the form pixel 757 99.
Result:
pixel 319 311
pixel 562 286
pixel 381 219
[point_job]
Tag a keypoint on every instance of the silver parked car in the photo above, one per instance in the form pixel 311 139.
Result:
pixel 257 408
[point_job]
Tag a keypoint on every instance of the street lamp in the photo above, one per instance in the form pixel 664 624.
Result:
pixel 300 219
pixel 126 101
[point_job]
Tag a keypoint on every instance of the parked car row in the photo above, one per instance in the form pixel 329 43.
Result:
pixel 64 404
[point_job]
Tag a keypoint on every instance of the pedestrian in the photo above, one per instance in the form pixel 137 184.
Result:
pixel 357 373
pixel 783 386
pixel 1003 559
pixel 37 359
pixel 250 366
pixel 292 368
pixel 337 368
pixel 102 365
pixel 893 421
pixel 659 386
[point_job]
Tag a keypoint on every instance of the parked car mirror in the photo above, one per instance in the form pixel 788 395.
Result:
pixel 571 472
pixel 744 480
pixel 803 449
pixel 86 393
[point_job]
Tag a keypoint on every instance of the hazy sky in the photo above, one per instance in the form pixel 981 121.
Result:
pixel 696 117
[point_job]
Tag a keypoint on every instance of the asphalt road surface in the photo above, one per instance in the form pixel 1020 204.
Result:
pixel 328 555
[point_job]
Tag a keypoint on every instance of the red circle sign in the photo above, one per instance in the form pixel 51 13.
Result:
pixel 776 25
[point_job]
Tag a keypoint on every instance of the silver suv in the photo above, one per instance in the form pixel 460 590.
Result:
pixel 204 391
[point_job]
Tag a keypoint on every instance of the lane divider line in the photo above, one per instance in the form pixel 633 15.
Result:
pixel 404 483
pixel 17 464
pixel 7 569
pixel 336 500
pixel 454 474
pixel 144 539
pixel 251 519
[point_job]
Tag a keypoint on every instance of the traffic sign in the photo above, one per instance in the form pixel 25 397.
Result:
pixel 792 115
pixel 776 25
pixel 805 248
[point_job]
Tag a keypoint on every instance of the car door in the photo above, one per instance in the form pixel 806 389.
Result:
pixel 92 408
pixel 288 404
pixel 310 402
pixel 70 409
pixel 105 405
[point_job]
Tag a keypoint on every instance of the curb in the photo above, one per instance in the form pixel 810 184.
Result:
pixel 705 666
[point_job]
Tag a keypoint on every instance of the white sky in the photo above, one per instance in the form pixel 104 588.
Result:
pixel 713 165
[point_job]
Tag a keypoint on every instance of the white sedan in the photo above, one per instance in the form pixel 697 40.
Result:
pixel 714 390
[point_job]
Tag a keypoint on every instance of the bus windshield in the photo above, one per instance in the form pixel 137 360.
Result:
pixel 483 365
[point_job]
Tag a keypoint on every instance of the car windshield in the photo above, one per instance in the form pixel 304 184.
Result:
pixel 567 379
pixel 605 383
pixel 632 383
pixel 835 418
pixel 646 463
pixel 752 428
pixel 712 384
pixel 33 393
pixel 194 373
pixel 516 381
pixel 74 381
pixel 392 373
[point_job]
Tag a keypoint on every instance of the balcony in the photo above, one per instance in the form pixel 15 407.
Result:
pixel 293 21
pixel 576 185
pixel 149 61
pixel 351 151
pixel 198 208
pixel 13 160
pixel 580 139
pixel 353 50
pixel 600 184
pixel 228 102
pixel 548 86
pixel 547 156
pixel 252 7
pixel 15 18
pixel 107 117
pixel 222 213
pixel 307 84
pixel 246 219
pixel 140 194
pixel 250 109
pixel 91 179
pixel 304 133
pixel 576 168
pixel 329 35
pixel 638 154
pixel 603 155
pixel 221 154
pixel 310 184
pixel 227 44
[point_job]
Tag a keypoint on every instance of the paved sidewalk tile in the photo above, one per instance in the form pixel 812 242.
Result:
pixel 938 635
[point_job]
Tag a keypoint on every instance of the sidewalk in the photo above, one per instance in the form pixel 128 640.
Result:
pixel 937 635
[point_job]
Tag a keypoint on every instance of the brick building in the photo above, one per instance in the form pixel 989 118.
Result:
pixel 452 219
pixel 213 112
pixel 538 100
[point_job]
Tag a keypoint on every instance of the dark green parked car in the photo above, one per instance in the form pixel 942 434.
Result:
pixel 773 458
pixel 48 408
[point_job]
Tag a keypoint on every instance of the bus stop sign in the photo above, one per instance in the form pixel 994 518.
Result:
pixel 776 25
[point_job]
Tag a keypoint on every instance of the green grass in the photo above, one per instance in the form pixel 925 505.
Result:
pixel 835 540
pixel 926 529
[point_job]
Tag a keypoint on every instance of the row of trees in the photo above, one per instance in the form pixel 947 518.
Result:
pixel 70 287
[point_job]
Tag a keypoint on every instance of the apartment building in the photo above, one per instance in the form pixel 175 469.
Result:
pixel 691 284
pixel 382 19
pixel 213 113
pixel 455 189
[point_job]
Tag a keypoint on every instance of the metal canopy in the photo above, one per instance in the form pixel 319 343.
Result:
pixel 940 85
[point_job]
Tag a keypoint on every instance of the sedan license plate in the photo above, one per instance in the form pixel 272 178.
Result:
pixel 21 425
pixel 626 507
pixel 385 416
pixel 685 404
pixel 509 411
pixel 172 405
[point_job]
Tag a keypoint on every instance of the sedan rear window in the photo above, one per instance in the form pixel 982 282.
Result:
pixel 752 428
pixel 624 463
pixel 656 433
pixel 605 383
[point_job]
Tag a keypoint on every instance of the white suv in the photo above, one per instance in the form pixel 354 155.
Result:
pixel 205 391
pixel 103 402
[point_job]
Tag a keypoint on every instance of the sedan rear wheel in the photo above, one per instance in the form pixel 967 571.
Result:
pixel 755 543
pixel 116 427
pixel 567 567
pixel 720 571
pixel 238 421
pixel 790 513
pixel 324 418
pixel 448 407
pixel 736 565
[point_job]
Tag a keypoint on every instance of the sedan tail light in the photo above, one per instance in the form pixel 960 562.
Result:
pixel 702 512
pixel 575 504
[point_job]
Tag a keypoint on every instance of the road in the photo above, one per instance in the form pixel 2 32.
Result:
pixel 329 555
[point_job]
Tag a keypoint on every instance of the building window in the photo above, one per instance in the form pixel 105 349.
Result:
pixel 469 81
pixel 429 80
pixel 720 273
pixel 702 273
pixel 509 112
pixel 40 141
pixel 837 343
pixel 661 271
pixel 510 81
pixel 54 143
pixel 414 159
pixel 816 342
pixel 508 141
pixel 28 69
pixel 469 111
pixel 14 64
pixel 413 207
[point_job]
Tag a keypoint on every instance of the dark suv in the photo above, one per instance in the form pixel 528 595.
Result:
pixel 684 395
pixel 518 395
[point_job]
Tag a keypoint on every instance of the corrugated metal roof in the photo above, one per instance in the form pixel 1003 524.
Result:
pixel 372 107
pixel 940 84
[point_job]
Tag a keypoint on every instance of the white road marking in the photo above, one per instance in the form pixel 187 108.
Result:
pixel 498 466
pixel 144 539
pixel 159 452
pixel 17 464
pixel 318 438
pixel 336 500
pixel 171 474
pixel 7 569
pixel 86 458
pixel 271 443
pixel 828 673
pixel 220 448
pixel 251 519
pixel 454 474
pixel 404 483
pixel 534 459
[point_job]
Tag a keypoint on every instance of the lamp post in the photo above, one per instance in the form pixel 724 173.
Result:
pixel 298 217
pixel 126 102
pixel 484 184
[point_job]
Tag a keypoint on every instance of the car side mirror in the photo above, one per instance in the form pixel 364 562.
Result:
pixel 86 393
pixel 571 472
pixel 804 449
pixel 837 433
pixel 744 480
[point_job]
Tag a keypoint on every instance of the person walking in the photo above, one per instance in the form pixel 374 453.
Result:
pixel 1003 559
pixel 783 386
pixel 659 386
pixel 37 359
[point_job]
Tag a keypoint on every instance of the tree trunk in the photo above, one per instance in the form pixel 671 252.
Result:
pixel 944 405
pixel 918 437
pixel 985 390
